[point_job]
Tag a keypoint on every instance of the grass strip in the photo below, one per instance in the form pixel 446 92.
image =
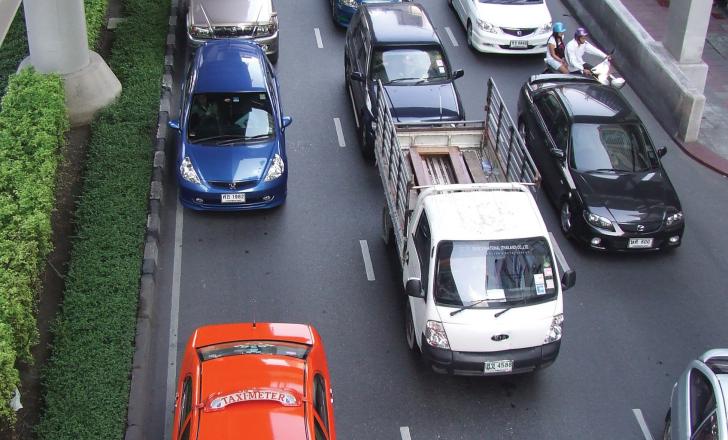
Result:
pixel 33 125
pixel 87 378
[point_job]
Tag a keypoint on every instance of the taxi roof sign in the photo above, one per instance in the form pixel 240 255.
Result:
pixel 217 402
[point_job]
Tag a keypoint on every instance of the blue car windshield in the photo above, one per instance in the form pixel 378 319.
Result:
pixel 221 117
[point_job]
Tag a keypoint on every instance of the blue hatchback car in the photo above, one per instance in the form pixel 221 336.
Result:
pixel 231 148
pixel 343 10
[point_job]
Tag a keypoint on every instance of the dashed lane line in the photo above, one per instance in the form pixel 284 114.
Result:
pixel 367 259
pixel 339 132
pixel 452 37
pixel 404 432
pixel 319 42
pixel 643 426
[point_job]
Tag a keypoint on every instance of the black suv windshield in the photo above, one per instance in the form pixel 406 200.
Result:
pixel 406 65
pixel 253 347
pixel 500 272
pixel 616 147
pixel 222 117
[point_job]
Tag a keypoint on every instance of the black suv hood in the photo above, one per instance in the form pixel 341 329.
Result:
pixel 424 103
pixel 629 197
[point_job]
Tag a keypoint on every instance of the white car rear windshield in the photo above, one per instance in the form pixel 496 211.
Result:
pixel 498 271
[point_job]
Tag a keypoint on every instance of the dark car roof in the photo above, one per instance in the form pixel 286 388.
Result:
pixel 229 66
pixel 595 102
pixel 398 23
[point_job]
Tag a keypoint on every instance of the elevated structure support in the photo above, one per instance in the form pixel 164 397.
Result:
pixel 58 43
pixel 688 27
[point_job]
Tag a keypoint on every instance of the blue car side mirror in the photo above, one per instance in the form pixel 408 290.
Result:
pixel 173 123
pixel 286 120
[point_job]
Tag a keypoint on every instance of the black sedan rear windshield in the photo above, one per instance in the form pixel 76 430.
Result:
pixel 497 271
pixel 236 348
pixel 615 147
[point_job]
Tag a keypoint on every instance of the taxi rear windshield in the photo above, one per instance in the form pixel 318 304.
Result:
pixel 238 348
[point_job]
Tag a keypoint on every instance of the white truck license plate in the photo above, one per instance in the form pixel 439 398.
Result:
pixel 504 366
pixel 639 243
pixel 519 44
pixel 233 198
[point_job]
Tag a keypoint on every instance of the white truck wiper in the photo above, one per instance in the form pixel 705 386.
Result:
pixel 469 306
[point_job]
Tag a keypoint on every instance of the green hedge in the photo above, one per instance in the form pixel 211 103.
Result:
pixel 33 124
pixel 15 46
pixel 87 378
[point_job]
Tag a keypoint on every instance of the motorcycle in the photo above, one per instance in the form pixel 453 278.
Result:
pixel 602 72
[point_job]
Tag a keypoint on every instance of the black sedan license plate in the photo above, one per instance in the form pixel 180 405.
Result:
pixel 639 243
pixel 503 366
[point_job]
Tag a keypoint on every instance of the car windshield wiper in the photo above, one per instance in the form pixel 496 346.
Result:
pixel 239 138
pixel 216 137
pixel 406 79
pixel 469 306
pixel 607 170
pixel 513 304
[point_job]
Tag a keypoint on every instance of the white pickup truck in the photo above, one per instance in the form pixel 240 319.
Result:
pixel 484 293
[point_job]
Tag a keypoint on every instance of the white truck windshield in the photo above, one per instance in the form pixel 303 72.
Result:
pixel 498 271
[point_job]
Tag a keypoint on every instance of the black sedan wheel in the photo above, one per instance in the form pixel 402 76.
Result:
pixel 667 433
pixel 409 328
pixel 567 218
pixel 470 35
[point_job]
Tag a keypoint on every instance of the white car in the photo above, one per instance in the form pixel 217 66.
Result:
pixel 505 26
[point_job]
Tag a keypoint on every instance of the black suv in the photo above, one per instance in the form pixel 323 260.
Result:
pixel 396 44
pixel 599 165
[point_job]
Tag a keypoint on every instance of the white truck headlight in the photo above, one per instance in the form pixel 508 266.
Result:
pixel 276 168
pixel 435 335
pixel 674 219
pixel 598 221
pixel 554 333
pixel 187 171
pixel 487 27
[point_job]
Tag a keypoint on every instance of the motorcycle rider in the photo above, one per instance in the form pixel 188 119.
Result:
pixel 556 49
pixel 575 50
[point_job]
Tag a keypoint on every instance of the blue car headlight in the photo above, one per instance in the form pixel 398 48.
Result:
pixel 276 168
pixel 674 219
pixel 187 171
pixel 598 221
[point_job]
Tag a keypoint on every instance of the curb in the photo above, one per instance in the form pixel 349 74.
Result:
pixel 705 156
pixel 141 370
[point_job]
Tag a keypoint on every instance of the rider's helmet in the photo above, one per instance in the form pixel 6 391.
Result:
pixel 581 32
pixel 559 27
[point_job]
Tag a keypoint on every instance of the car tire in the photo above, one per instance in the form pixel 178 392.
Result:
pixel 273 57
pixel 409 329
pixel 449 3
pixel 470 34
pixel 566 218
pixel 522 130
pixel 367 149
pixel 333 11
pixel 667 432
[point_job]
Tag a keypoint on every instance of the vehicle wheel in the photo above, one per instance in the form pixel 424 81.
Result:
pixel 387 228
pixel 567 218
pixel 333 11
pixel 470 35
pixel 449 3
pixel 273 57
pixel 409 328
pixel 367 149
pixel 667 433
pixel 522 130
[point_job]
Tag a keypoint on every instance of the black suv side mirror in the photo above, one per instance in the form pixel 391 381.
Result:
pixel 568 279
pixel 457 74
pixel 661 151
pixel 356 76
pixel 414 288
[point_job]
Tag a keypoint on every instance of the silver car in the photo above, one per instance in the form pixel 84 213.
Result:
pixel 254 20
pixel 698 404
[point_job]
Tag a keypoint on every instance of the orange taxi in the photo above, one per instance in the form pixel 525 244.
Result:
pixel 254 381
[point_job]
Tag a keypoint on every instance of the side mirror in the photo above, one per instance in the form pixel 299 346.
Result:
pixel 568 279
pixel 414 288
pixel 661 151
pixel 286 121
pixel 457 74
pixel 173 123
pixel 557 153
pixel 356 76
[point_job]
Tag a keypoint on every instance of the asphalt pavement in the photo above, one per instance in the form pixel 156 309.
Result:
pixel 632 322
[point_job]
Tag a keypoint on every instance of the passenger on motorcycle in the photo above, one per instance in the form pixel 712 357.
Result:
pixel 556 53
pixel 575 50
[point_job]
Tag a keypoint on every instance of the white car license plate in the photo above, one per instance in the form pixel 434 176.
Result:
pixel 519 44
pixel 639 243
pixel 233 198
pixel 504 366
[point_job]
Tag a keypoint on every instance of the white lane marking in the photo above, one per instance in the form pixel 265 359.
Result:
pixel 452 37
pixel 367 259
pixel 404 432
pixel 641 421
pixel 319 42
pixel 339 132
pixel 174 320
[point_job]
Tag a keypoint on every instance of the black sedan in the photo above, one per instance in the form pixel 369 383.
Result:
pixel 599 165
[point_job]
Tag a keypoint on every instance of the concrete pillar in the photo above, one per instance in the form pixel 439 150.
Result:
pixel 58 43
pixel 687 26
